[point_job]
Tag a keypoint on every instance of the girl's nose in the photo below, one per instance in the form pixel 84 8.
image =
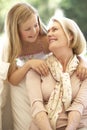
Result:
pixel 33 31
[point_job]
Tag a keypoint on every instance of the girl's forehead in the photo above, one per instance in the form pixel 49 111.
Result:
pixel 31 19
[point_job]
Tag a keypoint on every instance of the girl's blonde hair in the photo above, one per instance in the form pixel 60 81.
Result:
pixel 18 14
pixel 78 43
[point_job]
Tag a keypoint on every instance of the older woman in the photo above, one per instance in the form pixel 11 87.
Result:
pixel 59 100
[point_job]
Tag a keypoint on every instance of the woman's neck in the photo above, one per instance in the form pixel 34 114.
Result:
pixel 64 56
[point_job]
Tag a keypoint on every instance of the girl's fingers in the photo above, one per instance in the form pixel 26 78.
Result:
pixel 82 73
pixel 42 69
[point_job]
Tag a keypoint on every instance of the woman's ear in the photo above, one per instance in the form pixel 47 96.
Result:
pixel 70 36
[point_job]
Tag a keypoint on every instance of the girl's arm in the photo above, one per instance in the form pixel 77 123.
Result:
pixel 18 74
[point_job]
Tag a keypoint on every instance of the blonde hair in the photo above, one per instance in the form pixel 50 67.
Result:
pixel 78 44
pixel 18 14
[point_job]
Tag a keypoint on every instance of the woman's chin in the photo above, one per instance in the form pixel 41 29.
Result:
pixel 51 48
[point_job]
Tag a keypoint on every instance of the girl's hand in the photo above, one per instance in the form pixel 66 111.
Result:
pixel 82 71
pixel 39 66
pixel 82 68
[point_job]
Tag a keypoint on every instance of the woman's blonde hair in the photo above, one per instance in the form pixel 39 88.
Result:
pixel 18 14
pixel 78 43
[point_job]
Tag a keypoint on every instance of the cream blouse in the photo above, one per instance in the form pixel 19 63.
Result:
pixel 40 90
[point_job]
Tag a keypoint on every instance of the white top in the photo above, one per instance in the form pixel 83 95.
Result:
pixel 21 60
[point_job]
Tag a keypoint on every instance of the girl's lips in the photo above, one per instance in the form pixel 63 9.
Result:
pixel 32 36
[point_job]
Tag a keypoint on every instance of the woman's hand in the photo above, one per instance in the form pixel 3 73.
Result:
pixel 73 120
pixel 39 66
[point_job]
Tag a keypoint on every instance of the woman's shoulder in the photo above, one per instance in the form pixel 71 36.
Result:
pixel 33 75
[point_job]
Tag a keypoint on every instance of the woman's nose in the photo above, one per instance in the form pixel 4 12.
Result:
pixel 49 33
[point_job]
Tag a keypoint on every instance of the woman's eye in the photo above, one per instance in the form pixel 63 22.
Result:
pixel 55 29
pixel 48 31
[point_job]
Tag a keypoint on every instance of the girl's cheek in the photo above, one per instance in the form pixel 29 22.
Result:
pixel 24 34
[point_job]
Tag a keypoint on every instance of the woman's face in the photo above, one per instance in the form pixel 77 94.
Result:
pixel 56 36
pixel 29 30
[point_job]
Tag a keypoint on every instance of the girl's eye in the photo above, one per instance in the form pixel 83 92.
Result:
pixel 36 25
pixel 27 29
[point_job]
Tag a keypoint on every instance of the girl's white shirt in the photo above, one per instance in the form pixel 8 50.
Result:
pixel 20 61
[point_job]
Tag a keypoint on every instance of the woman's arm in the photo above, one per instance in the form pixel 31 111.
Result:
pixel 74 118
pixel 75 111
pixel 18 73
pixel 42 121
pixel 39 114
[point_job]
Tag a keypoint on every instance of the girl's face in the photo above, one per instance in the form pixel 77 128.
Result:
pixel 56 36
pixel 29 30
